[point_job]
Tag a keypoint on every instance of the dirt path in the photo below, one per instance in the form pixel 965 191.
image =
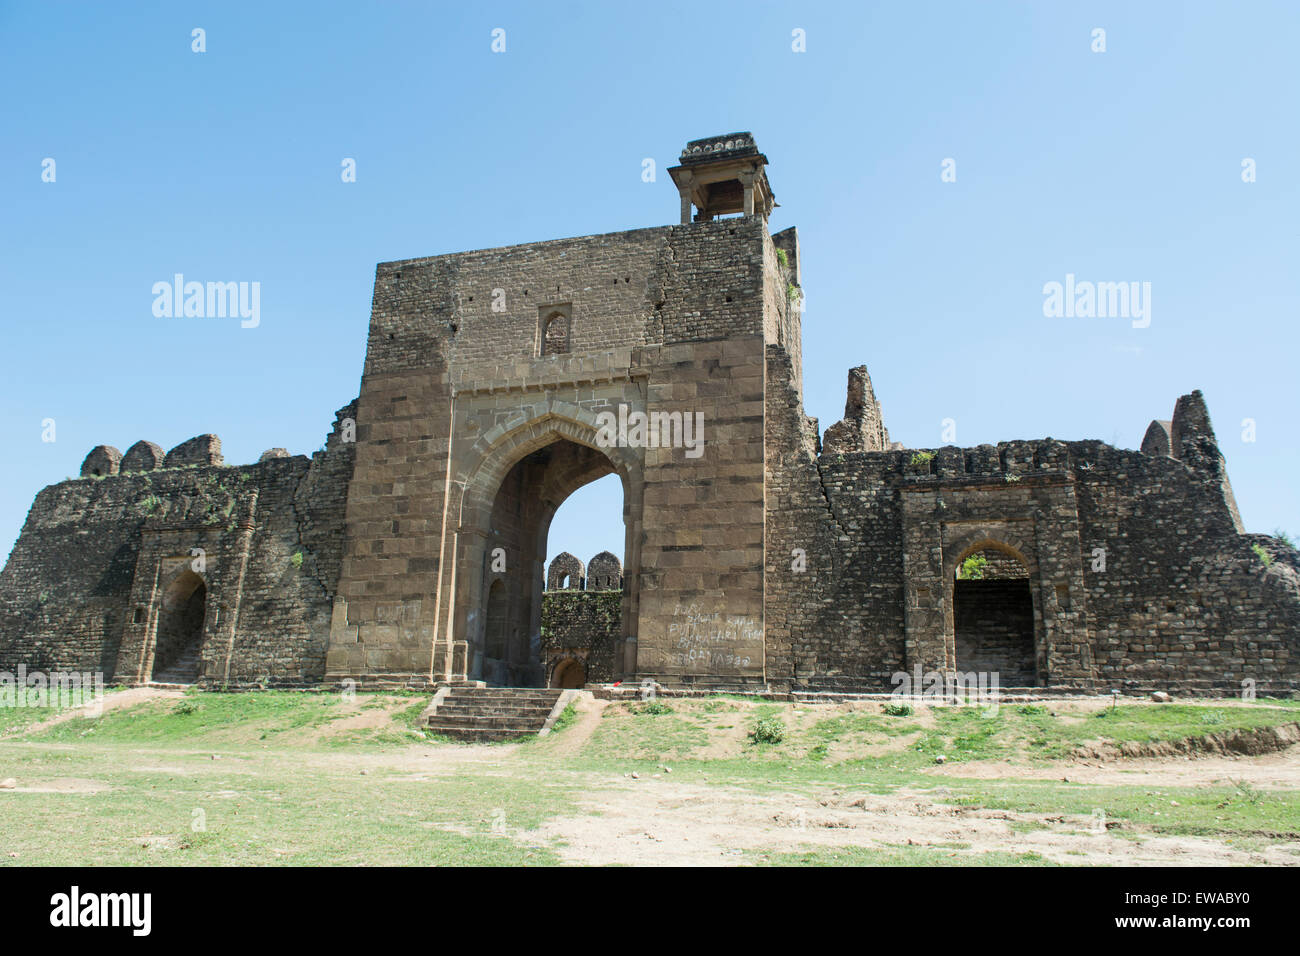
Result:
pixel 661 822
pixel 590 711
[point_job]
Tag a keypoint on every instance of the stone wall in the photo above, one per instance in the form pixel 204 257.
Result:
pixel 582 626
pixel 1138 573
pixel 84 586
pixel 456 393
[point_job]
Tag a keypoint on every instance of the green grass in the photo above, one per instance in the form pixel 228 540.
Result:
pixel 272 809
pixel 216 718
pixel 289 785
pixel 15 719
pixel 567 718
pixel 934 855
pixel 1228 809
pixel 644 736
pixel 1037 732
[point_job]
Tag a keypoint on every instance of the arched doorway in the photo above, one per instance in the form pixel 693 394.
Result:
pixel 507 650
pixel 993 616
pixel 176 658
pixel 569 673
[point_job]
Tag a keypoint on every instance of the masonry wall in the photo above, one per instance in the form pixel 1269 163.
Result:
pixel 774 559
pixel 583 626
pixel 834 610
pixel 668 320
pixel 994 623
pixel 93 551
pixel 1181 600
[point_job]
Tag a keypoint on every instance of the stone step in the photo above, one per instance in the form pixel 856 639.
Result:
pixel 524 720
pixel 176 675
pixel 183 670
pixel 456 706
pixel 483 735
pixel 452 726
pixel 492 713
pixel 504 695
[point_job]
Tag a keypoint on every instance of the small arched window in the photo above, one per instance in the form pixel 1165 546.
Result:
pixel 554 323
pixel 555 334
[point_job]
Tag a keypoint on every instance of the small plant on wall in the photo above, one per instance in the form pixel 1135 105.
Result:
pixel 972 569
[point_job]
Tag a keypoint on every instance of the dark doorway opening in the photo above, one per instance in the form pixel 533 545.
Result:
pixel 180 630
pixel 993 618
pixel 569 674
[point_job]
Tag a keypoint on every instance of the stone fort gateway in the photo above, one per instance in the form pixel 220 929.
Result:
pixel 759 552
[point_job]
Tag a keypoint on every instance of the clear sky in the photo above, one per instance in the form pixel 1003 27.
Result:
pixel 1123 165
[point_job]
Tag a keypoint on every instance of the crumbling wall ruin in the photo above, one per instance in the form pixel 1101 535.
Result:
pixel 84 589
pixel 1140 575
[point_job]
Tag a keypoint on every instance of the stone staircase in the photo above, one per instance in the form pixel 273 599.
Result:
pixel 481 714
pixel 184 670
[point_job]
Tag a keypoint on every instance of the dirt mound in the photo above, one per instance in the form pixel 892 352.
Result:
pixel 1228 743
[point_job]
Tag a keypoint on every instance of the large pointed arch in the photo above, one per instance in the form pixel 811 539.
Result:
pixel 572 432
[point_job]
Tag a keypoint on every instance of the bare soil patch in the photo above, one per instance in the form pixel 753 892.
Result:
pixel 662 822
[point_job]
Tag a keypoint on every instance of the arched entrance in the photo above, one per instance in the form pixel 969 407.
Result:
pixel 508 500
pixel 509 651
pixel 179 639
pixel 993 616
pixel 569 673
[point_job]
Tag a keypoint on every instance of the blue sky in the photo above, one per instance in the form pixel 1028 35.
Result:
pixel 1115 166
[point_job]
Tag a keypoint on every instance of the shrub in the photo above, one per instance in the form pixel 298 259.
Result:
pixel 296 560
pixel 655 708
pixel 185 707
pixel 1264 556
pixel 898 710
pixel 922 458
pixel 768 730
pixel 783 258
pixel 972 569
